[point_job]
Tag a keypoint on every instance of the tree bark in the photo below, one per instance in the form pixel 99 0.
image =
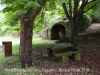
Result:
pixel 73 23
pixel 26 41
pixel 74 32
pixel 75 15
pixel 26 33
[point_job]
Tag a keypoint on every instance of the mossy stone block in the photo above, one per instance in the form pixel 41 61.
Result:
pixel 45 55
pixel 64 59
pixel 77 56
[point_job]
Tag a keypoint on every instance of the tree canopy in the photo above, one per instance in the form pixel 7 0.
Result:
pixel 74 11
pixel 47 13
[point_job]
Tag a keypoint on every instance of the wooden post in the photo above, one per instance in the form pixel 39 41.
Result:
pixel 7 48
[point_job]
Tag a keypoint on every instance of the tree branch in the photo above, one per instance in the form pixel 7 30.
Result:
pixel 81 9
pixel 82 5
pixel 36 11
pixel 92 6
pixel 65 10
pixel 76 3
pixel 70 8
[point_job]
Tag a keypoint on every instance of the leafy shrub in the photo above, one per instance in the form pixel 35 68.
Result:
pixel 95 19
pixel 84 23
pixel 9 30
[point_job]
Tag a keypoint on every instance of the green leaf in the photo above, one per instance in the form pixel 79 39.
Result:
pixel 62 1
pixel 3 0
pixel 36 4
pixel 6 9
pixel 24 11
pixel 31 4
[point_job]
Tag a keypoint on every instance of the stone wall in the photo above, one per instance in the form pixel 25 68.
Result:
pixel 49 32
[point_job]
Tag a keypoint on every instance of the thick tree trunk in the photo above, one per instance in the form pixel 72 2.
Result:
pixel 74 32
pixel 26 34
pixel 26 41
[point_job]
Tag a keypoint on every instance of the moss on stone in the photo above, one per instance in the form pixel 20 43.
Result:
pixel 63 47
pixel 77 56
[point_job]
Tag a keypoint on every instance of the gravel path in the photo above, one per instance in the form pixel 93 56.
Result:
pixel 94 27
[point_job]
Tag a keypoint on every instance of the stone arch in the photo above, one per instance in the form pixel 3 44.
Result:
pixel 56 30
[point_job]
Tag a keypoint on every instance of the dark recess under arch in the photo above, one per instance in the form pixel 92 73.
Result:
pixel 55 31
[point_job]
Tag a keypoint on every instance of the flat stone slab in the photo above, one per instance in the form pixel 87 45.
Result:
pixel 66 53
pixel 62 47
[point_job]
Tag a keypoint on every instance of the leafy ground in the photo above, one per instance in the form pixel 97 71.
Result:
pixel 88 65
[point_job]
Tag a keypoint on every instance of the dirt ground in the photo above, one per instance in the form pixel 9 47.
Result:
pixel 88 65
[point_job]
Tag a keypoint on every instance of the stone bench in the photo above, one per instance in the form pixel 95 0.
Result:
pixel 62 51
pixel 63 47
pixel 46 54
pixel 64 57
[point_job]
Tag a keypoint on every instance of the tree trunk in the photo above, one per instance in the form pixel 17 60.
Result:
pixel 26 32
pixel 74 23
pixel 26 41
pixel 74 32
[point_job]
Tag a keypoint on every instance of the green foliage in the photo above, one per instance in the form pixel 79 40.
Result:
pixel 38 23
pixel 95 19
pixel 9 30
pixel 47 15
pixel 12 11
pixel 11 18
pixel 84 23
pixel 20 6
pixel 50 20
pixel 12 4
pixel 62 1
pixel 94 13
pixel 10 23
pixel 31 4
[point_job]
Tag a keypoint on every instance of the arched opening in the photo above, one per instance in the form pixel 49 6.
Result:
pixel 57 32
